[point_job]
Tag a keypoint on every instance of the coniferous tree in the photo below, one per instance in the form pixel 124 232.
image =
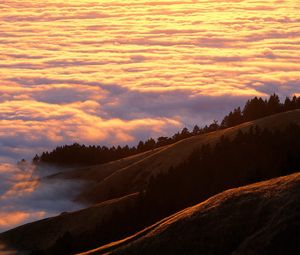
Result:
pixel 196 130
pixel 273 105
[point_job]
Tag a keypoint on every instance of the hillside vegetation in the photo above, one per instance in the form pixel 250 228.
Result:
pixel 135 176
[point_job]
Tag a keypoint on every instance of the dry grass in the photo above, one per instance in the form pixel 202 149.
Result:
pixel 254 219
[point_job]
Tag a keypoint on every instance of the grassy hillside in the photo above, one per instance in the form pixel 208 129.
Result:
pixel 124 179
pixel 262 218
pixel 97 173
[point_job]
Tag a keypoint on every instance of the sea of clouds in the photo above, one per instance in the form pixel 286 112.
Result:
pixel 115 72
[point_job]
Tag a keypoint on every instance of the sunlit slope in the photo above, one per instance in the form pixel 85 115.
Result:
pixel 262 218
pixel 99 172
pixel 133 177
pixel 41 235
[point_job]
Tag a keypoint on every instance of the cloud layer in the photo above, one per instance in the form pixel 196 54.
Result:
pixel 114 72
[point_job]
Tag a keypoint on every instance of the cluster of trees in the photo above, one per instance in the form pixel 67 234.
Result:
pixel 257 108
pixel 80 154
pixel 250 156
pixel 77 154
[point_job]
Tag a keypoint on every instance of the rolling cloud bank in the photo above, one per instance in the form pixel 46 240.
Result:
pixel 115 72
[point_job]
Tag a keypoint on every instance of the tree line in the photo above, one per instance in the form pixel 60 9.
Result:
pixel 82 155
pixel 250 156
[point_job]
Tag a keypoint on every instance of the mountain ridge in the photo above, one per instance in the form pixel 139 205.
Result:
pixel 261 198
pixel 17 238
pixel 163 159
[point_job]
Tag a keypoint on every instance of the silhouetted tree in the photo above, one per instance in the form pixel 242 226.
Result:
pixel 233 118
pixel 196 130
pixel 254 109
pixel 274 105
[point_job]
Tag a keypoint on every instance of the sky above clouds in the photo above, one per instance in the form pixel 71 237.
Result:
pixel 114 72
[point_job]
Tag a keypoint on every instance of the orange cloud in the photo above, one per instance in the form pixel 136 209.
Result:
pixel 15 218
pixel 25 196
pixel 114 71
pixel 94 69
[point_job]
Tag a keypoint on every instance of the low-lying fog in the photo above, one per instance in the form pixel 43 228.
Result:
pixel 26 195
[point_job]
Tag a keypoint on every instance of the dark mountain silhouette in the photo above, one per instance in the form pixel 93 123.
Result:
pixel 49 236
pixel 136 175
pixel 164 181
pixel 262 218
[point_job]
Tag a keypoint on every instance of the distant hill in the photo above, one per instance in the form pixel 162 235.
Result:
pixel 262 218
pixel 135 172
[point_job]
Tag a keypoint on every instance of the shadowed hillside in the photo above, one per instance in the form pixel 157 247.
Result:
pixel 99 172
pixel 55 235
pixel 263 218
pixel 166 193
pixel 133 177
